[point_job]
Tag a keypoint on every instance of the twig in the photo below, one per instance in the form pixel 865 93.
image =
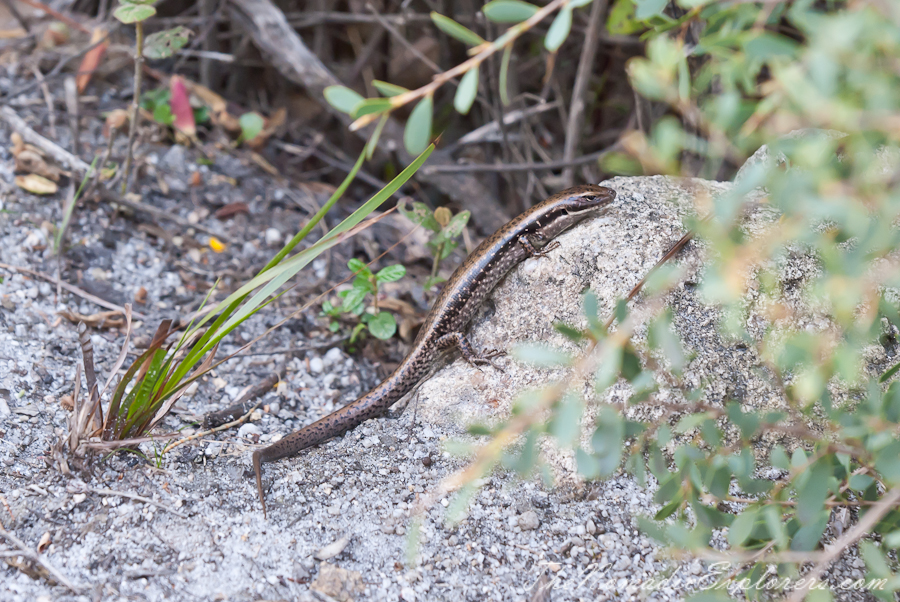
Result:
pixel 56 15
pixel 490 131
pixel 11 7
pixel 135 104
pixel 403 41
pixel 488 50
pixel 240 407
pixel 56 152
pixel 221 427
pixel 500 168
pixel 138 498
pixel 110 196
pixel 865 524
pixel 35 557
pixel 575 125
pixel 71 288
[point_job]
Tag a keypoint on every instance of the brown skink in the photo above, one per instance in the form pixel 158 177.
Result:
pixel 454 308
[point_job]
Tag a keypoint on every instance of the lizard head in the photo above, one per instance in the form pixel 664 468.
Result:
pixel 565 209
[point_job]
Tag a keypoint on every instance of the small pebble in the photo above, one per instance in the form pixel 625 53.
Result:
pixel 247 430
pixel 529 521
pixel 273 236
pixel 316 365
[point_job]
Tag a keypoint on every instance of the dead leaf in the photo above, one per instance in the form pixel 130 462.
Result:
pixel 44 542
pixel 261 161
pixel 103 319
pixel 230 209
pixel 338 583
pixel 67 402
pixel 36 184
pixel 140 296
pixel 92 58
pixel 196 179
pixel 115 120
pixel 31 162
pixel 18 145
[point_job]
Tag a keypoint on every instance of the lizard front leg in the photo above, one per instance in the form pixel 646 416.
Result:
pixel 458 339
pixel 530 248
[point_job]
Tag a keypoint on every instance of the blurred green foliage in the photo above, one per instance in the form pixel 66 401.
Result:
pixel 818 83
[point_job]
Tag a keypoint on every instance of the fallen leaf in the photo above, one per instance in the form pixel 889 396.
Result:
pixel 140 296
pixel 196 179
pixel 18 145
pixel 340 584
pixel 44 542
pixel 29 161
pixel 260 160
pixel 92 58
pixel 103 319
pixel 332 549
pixel 36 184
pixel 67 402
pixel 115 120
pixel 230 209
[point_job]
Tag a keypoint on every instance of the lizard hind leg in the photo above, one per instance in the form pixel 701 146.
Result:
pixel 459 340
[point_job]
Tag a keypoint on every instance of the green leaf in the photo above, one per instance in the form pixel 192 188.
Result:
pixel 456 31
pixel 649 8
pixel 418 127
pixel 559 29
pixel 542 355
pixel 504 75
pixel 163 44
pixel 509 11
pixel 359 267
pixel 372 143
pixel 456 225
pixel 766 46
pixel 132 13
pixel 607 440
pixel 251 125
pixel 466 92
pixel 573 334
pixel 779 458
pixel 420 214
pixel 875 560
pixel 887 462
pixel 162 113
pixel 369 106
pixel 388 89
pixel 342 98
pixel 742 526
pixel 391 273
pixel 566 423
pixel 354 299
pixel 383 325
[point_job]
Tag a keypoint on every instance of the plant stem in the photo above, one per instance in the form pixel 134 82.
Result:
pixel 135 102
pixel 490 48
pixel 437 261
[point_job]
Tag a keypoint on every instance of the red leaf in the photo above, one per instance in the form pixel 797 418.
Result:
pixel 181 107
pixel 91 59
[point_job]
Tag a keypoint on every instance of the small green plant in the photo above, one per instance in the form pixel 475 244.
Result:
pixel 380 323
pixel 160 375
pixel 446 228
pixel 162 44
pixel 158 103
